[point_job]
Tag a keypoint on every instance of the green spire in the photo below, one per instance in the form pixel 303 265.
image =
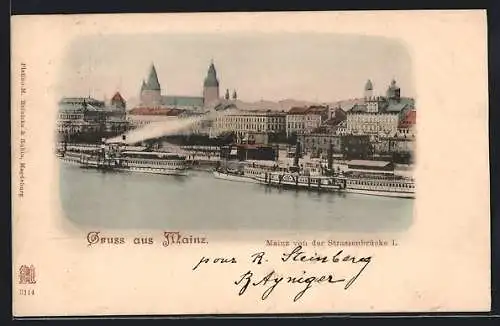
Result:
pixel 152 83
pixel 211 79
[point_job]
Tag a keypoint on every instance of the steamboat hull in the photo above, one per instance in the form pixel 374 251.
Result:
pixel 146 170
pixel 234 178
pixel 149 167
pixel 317 187
pixel 381 193
pixel 397 188
pixel 70 160
pixel 179 173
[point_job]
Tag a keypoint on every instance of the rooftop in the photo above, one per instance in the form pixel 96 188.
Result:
pixel 257 113
pixel 253 146
pixel 163 111
pixel 409 120
pixel 80 100
pixel 117 97
pixel 396 107
pixel 298 110
pixel 314 109
pixel 182 100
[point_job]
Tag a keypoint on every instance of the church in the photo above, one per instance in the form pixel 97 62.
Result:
pixel 151 93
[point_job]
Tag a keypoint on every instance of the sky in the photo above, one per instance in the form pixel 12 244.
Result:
pixel 308 67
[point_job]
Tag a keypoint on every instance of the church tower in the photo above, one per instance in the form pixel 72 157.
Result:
pixel 118 102
pixel 393 92
pixel 151 90
pixel 211 86
pixel 368 89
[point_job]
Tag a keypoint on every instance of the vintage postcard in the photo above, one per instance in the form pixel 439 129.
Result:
pixel 225 163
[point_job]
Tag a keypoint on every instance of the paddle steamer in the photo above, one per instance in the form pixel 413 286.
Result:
pixel 366 177
pixel 115 157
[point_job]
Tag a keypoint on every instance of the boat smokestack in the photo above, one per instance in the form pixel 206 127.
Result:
pixel 330 156
pixel 297 154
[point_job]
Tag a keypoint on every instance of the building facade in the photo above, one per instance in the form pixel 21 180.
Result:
pixel 300 120
pixel 378 115
pixel 244 123
pixel 364 123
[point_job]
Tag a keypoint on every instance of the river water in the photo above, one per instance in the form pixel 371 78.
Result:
pixel 96 199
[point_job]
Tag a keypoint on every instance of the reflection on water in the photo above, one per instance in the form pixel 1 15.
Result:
pixel 92 198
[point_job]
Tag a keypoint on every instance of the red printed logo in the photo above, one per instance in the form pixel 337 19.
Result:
pixel 27 274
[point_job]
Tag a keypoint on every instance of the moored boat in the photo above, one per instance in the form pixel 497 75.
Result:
pixel 233 177
pixel 377 178
pixel 152 162
pixel 112 157
pixel 306 182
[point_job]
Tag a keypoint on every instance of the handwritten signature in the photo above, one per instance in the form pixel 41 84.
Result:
pixel 272 279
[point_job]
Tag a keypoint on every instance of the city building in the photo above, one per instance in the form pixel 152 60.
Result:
pixel 244 123
pixel 361 122
pixel 341 129
pixel 338 114
pixel 406 127
pixel 378 115
pixel 301 120
pixel 116 114
pixel 88 117
pixel 319 143
pixel 141 116
pixel 331 125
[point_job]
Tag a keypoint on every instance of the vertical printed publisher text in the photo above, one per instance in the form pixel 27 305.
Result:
pixel 22 129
